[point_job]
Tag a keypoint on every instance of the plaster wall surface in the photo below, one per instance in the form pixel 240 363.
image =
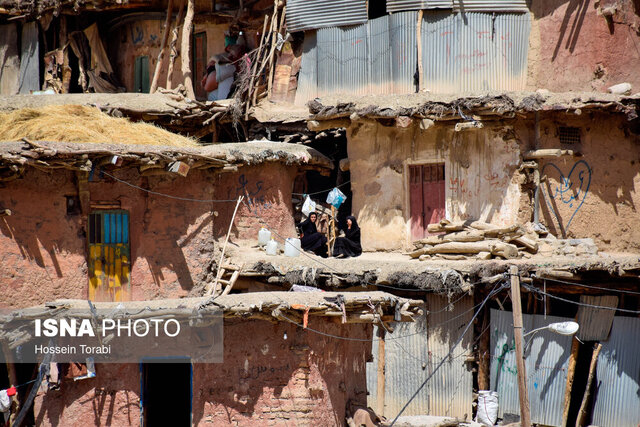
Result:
pixel 596 195
pixel 43 250
pixel 480 177
pixel 574 47
pixel 273 374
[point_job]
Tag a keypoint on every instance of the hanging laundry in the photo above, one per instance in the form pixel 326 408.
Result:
pixel 5 401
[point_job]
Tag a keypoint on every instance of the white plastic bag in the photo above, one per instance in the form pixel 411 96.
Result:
pixel 336 197
pixel 5 401
pixel 487 407
pixel 308 206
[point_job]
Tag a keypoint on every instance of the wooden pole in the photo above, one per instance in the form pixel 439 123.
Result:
pixel 172 46
pixel 571 373
pixel 419 41
pixel 271 60
pixel 185 49
pixel 163 47
pixel 582 414
pixel 525 413
pixel 484 353
pixel 254 67
pixel 380 390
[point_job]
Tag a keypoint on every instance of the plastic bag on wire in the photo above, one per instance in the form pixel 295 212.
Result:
pixel 336 197
pixel 308 206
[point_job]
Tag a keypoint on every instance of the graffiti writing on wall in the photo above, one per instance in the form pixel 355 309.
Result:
pixel 256 372
pixel 255 199
pixel 138 36
pixel 569 190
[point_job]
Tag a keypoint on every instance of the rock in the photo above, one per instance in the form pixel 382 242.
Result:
pixel 620 89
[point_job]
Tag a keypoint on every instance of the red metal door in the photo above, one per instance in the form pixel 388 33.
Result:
pixel 415 201
pixel 426 197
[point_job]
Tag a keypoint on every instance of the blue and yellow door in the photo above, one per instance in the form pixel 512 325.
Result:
pixel 109 265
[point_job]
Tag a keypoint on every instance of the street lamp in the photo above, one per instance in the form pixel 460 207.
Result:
pixel 562 328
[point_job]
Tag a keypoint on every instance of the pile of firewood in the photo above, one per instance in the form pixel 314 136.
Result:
pixel 480 240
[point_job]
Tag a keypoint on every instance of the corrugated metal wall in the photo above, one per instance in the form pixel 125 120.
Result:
pixel 468 52
pixel 546 361
pixel 402 5
pixel 617 401
pixel 308 76
pixel 313 14
pixel 410 360
pixel 491 5
pixel 475 51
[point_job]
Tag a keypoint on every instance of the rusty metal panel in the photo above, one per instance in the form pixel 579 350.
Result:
pixel 402 5
pixel 617 400
pixel 491 5
pixel 313 14
pixel 474 51
pixel 546 361
pixel 308 76
pixel 420 348
pixel 404 54
pixel 595 323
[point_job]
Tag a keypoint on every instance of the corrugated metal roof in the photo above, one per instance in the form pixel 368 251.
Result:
pixel 491 5
pixel 546 361
pixel 313 14
pixel 402 5
pixel 308 75
pixel 474 51
pixel 409 360
pixel 595 323
pixel 617 400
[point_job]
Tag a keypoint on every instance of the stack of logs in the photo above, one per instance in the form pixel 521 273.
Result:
pixel 480 240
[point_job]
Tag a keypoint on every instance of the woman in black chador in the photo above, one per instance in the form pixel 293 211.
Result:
pixel 349 245
pixel 311 240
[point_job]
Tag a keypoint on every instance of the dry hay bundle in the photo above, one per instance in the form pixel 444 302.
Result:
pixel 76 123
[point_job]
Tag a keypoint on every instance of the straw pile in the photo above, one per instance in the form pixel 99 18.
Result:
pixel 76 123
pixel 474 239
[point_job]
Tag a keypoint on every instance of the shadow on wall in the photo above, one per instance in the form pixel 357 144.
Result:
pixel 113 397
pixel 273 374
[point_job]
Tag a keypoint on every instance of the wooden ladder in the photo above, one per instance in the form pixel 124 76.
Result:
pixel 226 269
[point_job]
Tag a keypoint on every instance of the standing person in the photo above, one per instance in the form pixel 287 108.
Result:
pixel 311 240
pixel 349 245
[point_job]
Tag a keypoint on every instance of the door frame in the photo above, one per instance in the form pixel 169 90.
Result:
pixel 406 191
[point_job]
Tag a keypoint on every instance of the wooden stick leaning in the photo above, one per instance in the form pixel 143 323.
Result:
pixel 214 289
pixel 185 50
pixel 273 55
pixel 254 67
pixel 163 47
pixel 172 46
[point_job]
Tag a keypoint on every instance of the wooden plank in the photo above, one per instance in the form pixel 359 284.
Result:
pixel 174 42
pixel 29 79
pixel 163 47
pixel 595 323
pixel 380 389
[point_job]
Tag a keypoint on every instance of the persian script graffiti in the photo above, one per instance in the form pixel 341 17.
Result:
pixel 255 200
pixel 571 189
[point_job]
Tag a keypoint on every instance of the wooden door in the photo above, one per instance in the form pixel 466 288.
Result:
pixel 109 265
pixel 426 197
pixel 199 50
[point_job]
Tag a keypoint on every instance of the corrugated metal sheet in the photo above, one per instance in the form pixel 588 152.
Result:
pixel 379 45
pixel 617 400
pixel 404 54
pixel 474 51
pixel 30 59
pixel 313 14
pixel 491 5
pixel 595 323
pixel 401 5
pixel 408 361
pixel 308 75
pixel 546 361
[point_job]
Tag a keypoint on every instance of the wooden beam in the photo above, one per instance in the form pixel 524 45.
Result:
pixel 582 414
pixel 523 395
pixel 317 126
pixel 419 41
pixel 380 389
pixel 571 371
pixel 484 353
pixel 547 153
pixel 163 46
pixel 185 50
pixel 172 46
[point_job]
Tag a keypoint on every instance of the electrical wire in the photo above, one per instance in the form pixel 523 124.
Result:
pixel 582 285
pixel 489 295
pixel 321 191
pixel 536 290
pixel 186 199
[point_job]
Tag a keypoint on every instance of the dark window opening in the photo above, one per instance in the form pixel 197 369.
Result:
pixel 199 62
pixel 569 135
pixel 141 75
pixel 377 8
pixel 73 205
pixel 166 393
